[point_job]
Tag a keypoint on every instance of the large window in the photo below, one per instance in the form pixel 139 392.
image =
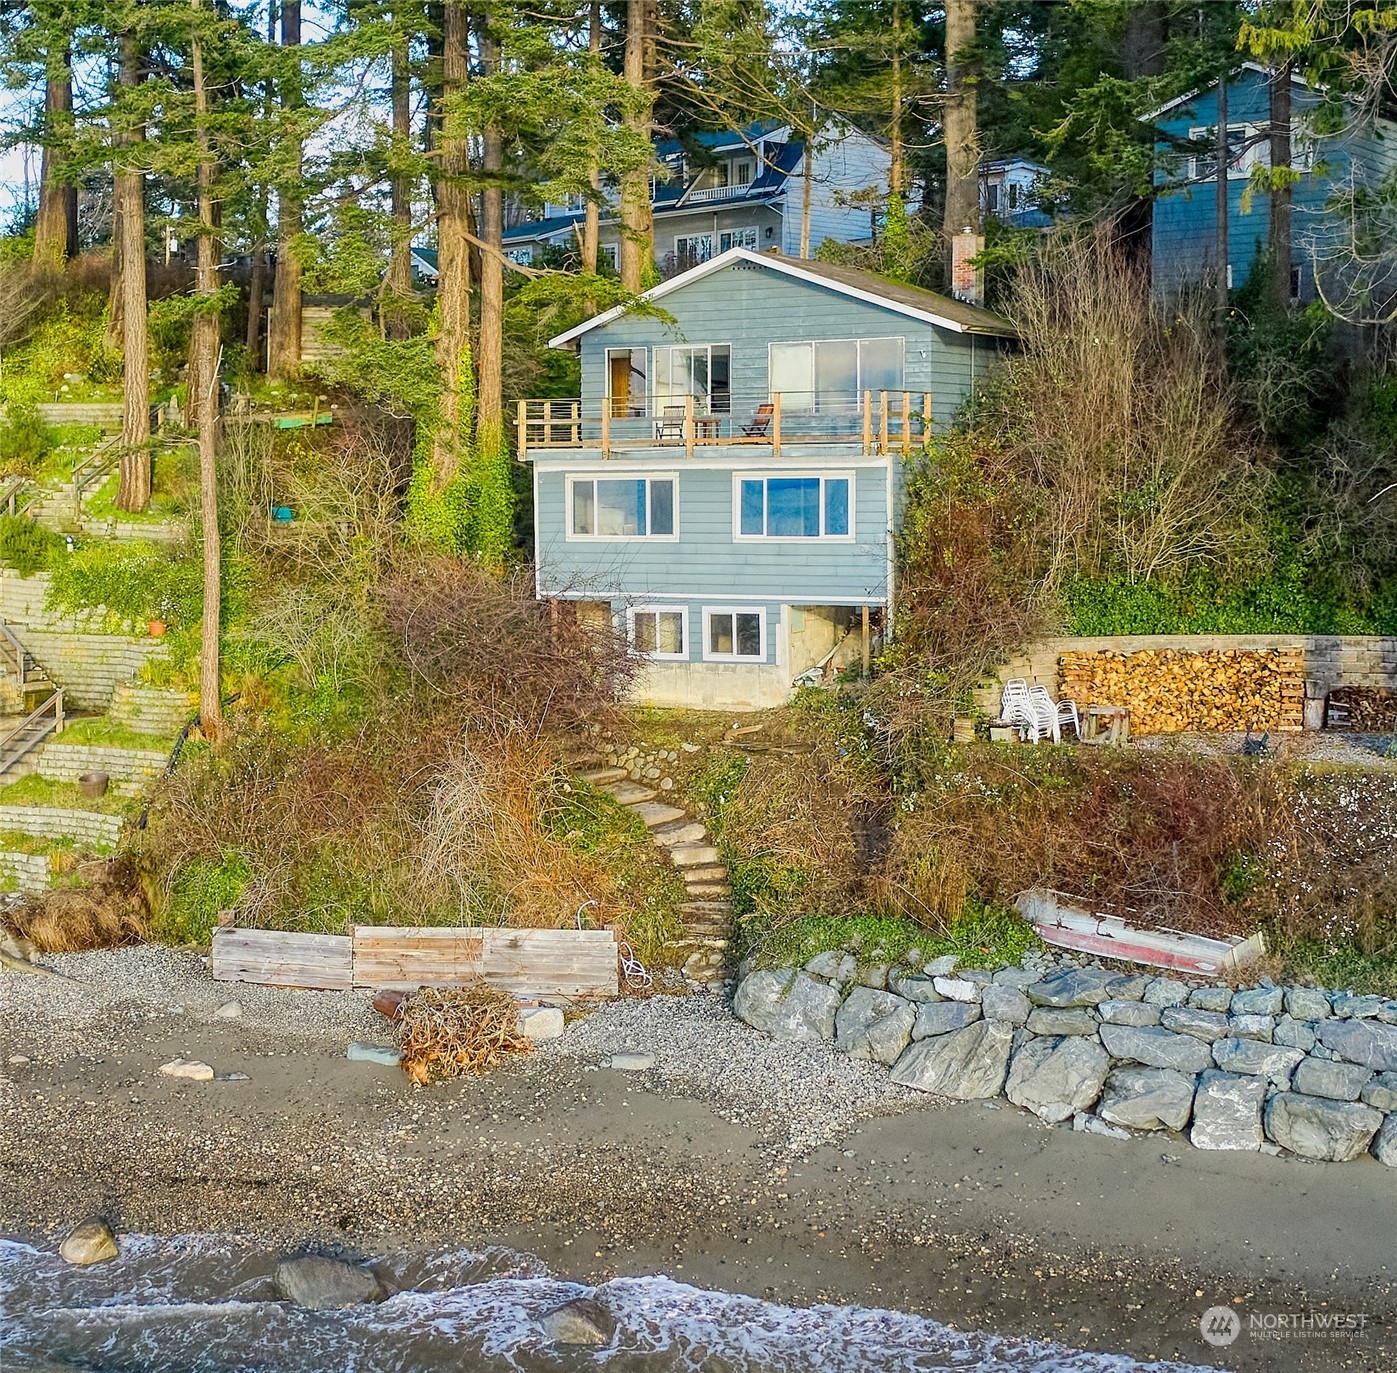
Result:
pixel 737 238
pixel 621 507
pixel 692 249
pixel 658 631
pixel 703 371
pixel 734 634
pixel 806 507
pixel 832 375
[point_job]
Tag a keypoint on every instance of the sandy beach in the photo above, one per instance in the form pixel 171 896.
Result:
pixel 785 1172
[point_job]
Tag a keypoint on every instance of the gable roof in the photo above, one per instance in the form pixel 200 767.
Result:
pixel 1295 80
pixel 897 296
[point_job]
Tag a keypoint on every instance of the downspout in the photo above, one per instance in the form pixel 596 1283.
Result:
pixel 892 556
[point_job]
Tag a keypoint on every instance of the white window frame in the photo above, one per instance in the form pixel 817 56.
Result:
pixel 813 343
pixel 1256 154
pixel 689 238
pixel 711 610
pixel 647 608
pixel 750 234
pixel 750 162
pixel 612 251
pixel 658 401
pixel 523 256
pixel 571 480
pixel 740 476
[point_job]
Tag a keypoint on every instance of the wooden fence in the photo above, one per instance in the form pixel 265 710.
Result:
pixel 562 963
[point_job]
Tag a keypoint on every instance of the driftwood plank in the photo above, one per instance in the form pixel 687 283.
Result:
pixel 404 958
pixel 552 962
pixel 277 958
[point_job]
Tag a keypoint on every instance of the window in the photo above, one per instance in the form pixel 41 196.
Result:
pixel 832 375
pixel 523 256
pixel 992 197
pixel 734 634
pixel 744 172
pixel 1246 143
pixel 737 238
pixel 804 507
pixel 610 252
pixel 621 508
pixel 626 381
pixel 703 371
pixel 660 631
pixel 691 249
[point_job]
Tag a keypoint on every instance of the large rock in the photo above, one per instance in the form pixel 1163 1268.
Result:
pixel 1147 1099
pixel 943 966
pixel 915 987
pixel 1072 987
pixel 1258 1001
pixel 90 1241
pixel 1211 998
pixel 956 988
pixel 1385 1142
pixel 1335 1081
pixel 787 1005
pixel 1121 1012
pixel 1272 1061
pixel 541 1022
pixel 1069 1020
pixel 1227 1112
pixel 1002 1001
pixel 1332 1131
pixel 1294 1034
pixel 324 1284
pixel 1189 1020
pixel 1381 1092
pixel 968 1064
pixel 1156 1048
pixel 1259 1027
pixel 1054 1078
pixel 581 1321
pixel 1368 1042
pixel 1360 1007
pixel 873 1024
pixel 1165 991
pixel 1015 977
pixel 834 966
pixel 1307 1003
pixel 943 1017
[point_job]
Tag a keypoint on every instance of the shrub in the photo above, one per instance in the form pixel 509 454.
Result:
pixel 25 439
pixel 200 890
pixel 26 545
pixel 135 582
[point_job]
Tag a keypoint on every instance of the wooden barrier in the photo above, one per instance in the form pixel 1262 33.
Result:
pixel 562 963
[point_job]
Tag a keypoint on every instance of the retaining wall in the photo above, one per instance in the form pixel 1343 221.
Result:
pixel 153 710
pixel 129 769
pixel 28 871
pixel 52 822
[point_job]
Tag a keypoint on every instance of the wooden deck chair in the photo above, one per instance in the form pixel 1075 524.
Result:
pixel 761 422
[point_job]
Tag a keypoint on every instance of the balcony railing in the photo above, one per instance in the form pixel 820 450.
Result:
pixel 876 421
pixel 703 193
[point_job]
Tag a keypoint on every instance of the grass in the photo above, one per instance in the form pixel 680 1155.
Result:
pixel 1338 967
pixel 101 731
pixel 42 791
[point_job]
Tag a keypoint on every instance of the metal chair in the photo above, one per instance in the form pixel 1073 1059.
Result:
pixel 671 426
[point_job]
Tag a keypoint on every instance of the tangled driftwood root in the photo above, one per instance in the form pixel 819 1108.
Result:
pixel 454 1032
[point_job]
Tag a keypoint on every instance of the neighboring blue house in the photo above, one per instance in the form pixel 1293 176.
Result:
pixel 745 191
pixel 726 489
pixel 1185 212
pixel 1011 191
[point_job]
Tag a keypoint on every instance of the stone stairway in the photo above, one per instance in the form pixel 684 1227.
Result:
pixel 707 908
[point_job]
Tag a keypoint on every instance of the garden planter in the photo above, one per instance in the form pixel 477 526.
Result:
pixel 156 627
pixel 93 784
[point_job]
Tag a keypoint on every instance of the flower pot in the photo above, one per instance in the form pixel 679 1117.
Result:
pixel 156 627
pixel 93 784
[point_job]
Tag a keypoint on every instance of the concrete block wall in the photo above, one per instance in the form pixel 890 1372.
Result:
pixel 24 605
pixel 153 710
pixel 90 667
pixel 88 827
pixel 129 769
pixel 28 871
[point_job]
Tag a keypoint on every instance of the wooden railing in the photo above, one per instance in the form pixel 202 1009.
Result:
pixel 880 422
pixel 16 494
pixel 17 651
pixel 93 469
pixel 31 731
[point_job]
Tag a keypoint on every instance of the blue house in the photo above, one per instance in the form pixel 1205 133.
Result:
pixel 1184 247
pixel 741 189
pixel 726 488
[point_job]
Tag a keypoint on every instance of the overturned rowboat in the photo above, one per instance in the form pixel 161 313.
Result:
pixel 1066 926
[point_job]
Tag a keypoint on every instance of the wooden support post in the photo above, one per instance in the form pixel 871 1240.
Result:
pixel 883 422
pixel 522 425
pixel 605 429
pixel 689 425
pixel 867 422
pixel 866 653
pixel 906 423
pixel 926 418
pixel 775 424
pixel 58 711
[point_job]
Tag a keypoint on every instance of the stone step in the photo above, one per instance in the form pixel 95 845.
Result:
pixel 716 873
pixel 657 815
pixel 600 776
pixel 697 856
pixel 681 836
pixel 704 910
pixel 628 793
pixel 709 890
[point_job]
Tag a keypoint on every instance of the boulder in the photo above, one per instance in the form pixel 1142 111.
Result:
pixel 1258 1027
pixel 325 1284
pixel 1128 1013
pixel 1071 1020
pixel 834 966
pixel 873 1024
pixel 943 1017
pixel 1156 1048
pixel 956 988
pixel 943 966
pixel 1294 1034
pixel 981 977
pixel 581 1321
pixel 1015 977
pixel 1129 987
pixel 1087 1123
pixel 1072 987
pixel 1258 1001
pixel 541 1022
pixel 1147 1099
pixel 1165 991
pixel 1272 1061
pixel 89 1241
pixel 1351 1005
pixel 915 987
pixel 1307 1003
pixel 1003 1001
pixel 1211 998
pixel 1381 1092
pixel 967 1064
pixel 385 1055
pixel 875 976
pixel 1310 1126
pixel 1385 1142
pixel 190 1069
pixel 1188 1020
pixel 1334 1081
pixel 1361 1041
pixel 787 1005
pixel 1227 1112
pixel 229 1010
pixel 1055 1078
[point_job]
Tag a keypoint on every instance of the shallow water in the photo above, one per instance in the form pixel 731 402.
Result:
pixel 205 1304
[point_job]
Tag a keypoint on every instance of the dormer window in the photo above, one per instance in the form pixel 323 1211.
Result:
pixel 744 171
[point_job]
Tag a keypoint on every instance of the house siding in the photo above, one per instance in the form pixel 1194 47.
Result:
pixel 841 169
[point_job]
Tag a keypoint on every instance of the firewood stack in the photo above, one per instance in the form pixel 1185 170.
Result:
pixel 1366 710
pixel 1172 690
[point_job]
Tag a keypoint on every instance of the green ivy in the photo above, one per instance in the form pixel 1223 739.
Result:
pixel 200 890
pixel 135 582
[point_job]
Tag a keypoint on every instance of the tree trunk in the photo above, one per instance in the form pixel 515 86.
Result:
pixel 114 338
pixel 1282 199
pixel 1222 152
pixel 490 359
pixel 56 227
pixel 256 292
pixel 1142 45
pixel 399 279
pixel 284 327
pixel 591 225
pixel 959 123
pixel 896 156
pixel 204 403
pixel 133 487
pixel 453 252
pixel 637 219
pixel 807 189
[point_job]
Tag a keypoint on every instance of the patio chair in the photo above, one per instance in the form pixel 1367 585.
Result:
pixel 1067 715
pixel 671 425
pixel 760 425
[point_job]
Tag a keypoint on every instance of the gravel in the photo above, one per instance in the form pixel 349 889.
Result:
pixel 797 1096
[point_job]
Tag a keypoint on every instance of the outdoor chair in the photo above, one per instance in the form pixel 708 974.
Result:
pixel 671 426
pixel 761 422
pixel 1067 715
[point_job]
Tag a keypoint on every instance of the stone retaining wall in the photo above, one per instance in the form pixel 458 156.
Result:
pixel 28 871
pixel 1272 1069
pixel 129 769
pixel 90 667
pixel 152 710
pixel 88 827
